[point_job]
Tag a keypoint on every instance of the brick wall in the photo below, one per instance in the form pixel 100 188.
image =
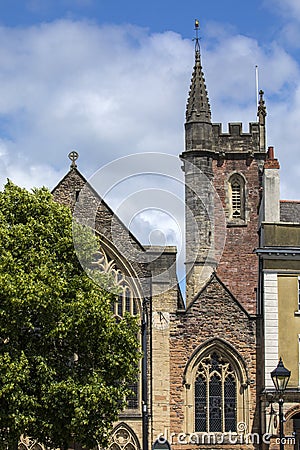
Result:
pixel 238 267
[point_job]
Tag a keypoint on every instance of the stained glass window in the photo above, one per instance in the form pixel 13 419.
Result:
pixel 200 403
pixel 123 439
pixel 215 395
pixel 125 303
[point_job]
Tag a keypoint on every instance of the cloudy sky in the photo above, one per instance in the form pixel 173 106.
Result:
pixel 111 78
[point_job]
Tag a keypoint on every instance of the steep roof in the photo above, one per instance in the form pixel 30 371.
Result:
pixel 198 107
pixel 67 192
pixel 290 211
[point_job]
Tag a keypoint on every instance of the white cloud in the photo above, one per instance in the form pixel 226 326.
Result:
pixel 229 66
pixel 288 12
pixel 111 91
pixel 288 8
pixel 105 91
pixel 230 69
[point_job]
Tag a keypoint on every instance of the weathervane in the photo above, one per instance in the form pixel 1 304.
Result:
pixel 196 39
pixel 73 156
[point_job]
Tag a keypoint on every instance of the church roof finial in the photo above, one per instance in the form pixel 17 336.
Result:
pixel 73 156
pixel 261 114
pixel 198 107
pixel 196 39
pixel 262 110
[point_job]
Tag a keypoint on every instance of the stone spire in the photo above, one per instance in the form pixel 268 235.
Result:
pixel 198 107
pixel 199 195
pixel 198 126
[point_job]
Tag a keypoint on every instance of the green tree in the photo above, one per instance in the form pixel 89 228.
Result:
pixel 65 362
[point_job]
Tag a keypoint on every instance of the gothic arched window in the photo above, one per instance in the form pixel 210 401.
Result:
pixel 123 438
pixel 125 303
pixel 215 395
pixel 236 197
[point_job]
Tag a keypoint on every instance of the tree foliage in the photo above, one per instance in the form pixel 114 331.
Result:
pixel 65 362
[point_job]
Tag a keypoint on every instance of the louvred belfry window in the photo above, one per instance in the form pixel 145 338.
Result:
pixel 236 199
pixel 215 395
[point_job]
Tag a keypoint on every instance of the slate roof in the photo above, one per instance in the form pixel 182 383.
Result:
pixel 290 211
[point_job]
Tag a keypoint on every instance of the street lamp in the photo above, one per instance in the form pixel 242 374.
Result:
pixel 280 377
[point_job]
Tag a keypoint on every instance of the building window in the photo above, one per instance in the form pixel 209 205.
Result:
pixel 123 438
pixel 296 429
pixel 133 398
pixel 236 198
pixel 298 360
pixel 125 303
pixel 215 395
pixel 298 294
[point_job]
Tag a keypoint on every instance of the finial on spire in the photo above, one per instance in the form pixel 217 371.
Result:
pixel 261 114
pixel 196 39
pixel 73 156
pixel 262 111
pixel 198 108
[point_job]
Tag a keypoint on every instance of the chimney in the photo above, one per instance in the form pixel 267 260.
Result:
pixel 270 206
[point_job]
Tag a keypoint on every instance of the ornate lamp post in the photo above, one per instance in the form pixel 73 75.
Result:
pixel 280 377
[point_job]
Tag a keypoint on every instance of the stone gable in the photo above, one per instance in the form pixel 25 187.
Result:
pixel 213 315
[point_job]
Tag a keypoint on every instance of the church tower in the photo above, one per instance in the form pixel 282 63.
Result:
pixel 222 194
pixel 198 168
pixel 213 340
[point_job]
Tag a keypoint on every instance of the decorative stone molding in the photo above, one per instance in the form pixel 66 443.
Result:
pixel 123 438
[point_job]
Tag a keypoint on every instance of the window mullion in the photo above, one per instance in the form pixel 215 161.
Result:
pixel 220 391
pixel 207 401
pixel 223 400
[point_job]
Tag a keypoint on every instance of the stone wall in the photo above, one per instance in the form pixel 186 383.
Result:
pixel 214 315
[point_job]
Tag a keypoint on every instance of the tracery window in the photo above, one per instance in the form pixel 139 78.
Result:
pixel 123 439
pixel 215 395
pixel 133 398
pixel 27 443
pixel 125 303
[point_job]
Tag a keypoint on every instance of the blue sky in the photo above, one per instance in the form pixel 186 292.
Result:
pixel 261 19
pixel 111 78
pixel 158 16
